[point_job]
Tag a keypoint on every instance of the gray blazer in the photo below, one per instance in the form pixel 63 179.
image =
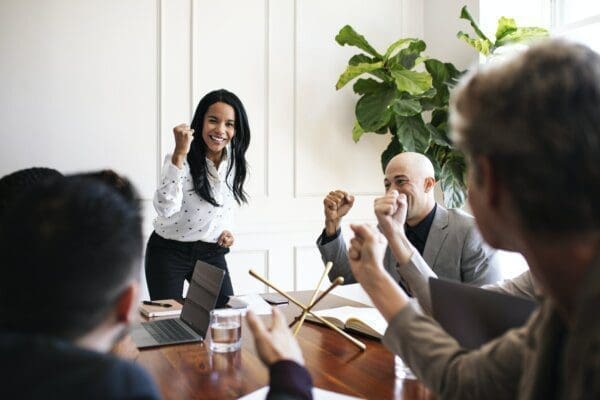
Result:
pixel 454 250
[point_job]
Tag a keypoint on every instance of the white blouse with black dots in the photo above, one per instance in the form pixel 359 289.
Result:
pixel 185 216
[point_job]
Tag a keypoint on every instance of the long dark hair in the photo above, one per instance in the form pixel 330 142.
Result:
pixel 239 144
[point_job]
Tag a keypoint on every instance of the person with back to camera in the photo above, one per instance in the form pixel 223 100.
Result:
pixel 201 182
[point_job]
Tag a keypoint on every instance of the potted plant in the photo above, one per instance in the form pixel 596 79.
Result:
pixel 406 96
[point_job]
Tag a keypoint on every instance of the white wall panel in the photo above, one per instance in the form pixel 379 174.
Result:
pixel 240 262
pixel 230 50
pixel 79 83
pixel 326 157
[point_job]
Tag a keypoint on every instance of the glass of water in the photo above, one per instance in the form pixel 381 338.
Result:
pixel 225 330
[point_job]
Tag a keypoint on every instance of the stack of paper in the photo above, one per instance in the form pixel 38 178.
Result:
pixel 250 302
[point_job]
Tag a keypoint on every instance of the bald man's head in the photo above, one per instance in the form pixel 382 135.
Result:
pixel 414 175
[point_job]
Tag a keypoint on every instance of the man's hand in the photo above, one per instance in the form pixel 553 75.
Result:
pixel 126 348
pixel 226 239
pixel 183 140
pixel 336 205
pixel 275 343
pixel 366 253
pixel 390 211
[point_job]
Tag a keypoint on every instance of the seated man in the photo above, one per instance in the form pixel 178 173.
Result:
pixel 71 253
pixel 531 132
pixel 447 243
pixel 414 271
pixel 71 262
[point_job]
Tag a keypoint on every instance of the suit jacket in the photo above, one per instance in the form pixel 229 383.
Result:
pixel 545 359
pixel 454 250
pixel 523 285
pixel 39 367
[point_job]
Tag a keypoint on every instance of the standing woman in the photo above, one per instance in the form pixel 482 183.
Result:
pixel 200 184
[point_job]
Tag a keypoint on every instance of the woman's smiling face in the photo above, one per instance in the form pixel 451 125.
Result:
pixel 218 128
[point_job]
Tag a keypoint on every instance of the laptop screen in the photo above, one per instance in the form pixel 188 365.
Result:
pixel 202 296
pixel 474 316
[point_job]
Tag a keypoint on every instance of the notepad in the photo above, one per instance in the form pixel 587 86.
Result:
pixel 365 320
pixel 158 311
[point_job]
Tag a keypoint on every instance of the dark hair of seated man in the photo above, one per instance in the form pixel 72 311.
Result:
pixel 16 183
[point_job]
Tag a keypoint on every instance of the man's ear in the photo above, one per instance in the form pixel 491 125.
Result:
pixel 127 303
pixel 429 183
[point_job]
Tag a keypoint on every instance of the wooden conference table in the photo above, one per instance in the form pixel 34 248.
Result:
pixel 190 371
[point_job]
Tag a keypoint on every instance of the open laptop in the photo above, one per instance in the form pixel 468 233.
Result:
pixel 193 323
pixel 474 316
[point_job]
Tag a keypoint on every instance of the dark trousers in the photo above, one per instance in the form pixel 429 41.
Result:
pixel 169 262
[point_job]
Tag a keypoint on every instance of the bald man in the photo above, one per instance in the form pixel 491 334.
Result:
pixel 442 243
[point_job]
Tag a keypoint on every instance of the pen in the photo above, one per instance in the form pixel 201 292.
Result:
pixel 152 303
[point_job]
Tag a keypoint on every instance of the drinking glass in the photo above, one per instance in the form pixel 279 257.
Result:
pixel 225 330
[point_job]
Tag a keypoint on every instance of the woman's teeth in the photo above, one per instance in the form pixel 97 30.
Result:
pixel 217 139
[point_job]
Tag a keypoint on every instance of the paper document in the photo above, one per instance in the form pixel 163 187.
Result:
pixel 318 394
pixel 251 302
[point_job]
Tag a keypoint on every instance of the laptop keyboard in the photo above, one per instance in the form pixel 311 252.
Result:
pixel 167 331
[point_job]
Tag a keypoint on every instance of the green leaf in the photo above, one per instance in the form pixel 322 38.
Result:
pixel 357 132
pixel 453 74
pixel 349 36
pixel 412 133
pixel 407 107
pixel 361 59
pixel 393 149
pixel 444 75
pixel 352 71
pixel 523 35
pixel 367 86
pixel 395 46
pixel 505 27
pixel 373 110
pixel 439 117
pixel 438 71
pixel 438 136
pixel 411 82
pixel 453 180
pixel 465 14
pixel 481 45
pixel 410 56
pixel 435 154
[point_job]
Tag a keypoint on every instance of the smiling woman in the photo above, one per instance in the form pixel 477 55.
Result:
pixel 201 182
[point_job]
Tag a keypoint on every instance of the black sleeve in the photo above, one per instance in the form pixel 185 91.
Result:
pixel 289 380
pixel 324 239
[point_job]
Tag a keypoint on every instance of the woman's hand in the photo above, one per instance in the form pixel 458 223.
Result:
pixel 226 239
pixel 183 140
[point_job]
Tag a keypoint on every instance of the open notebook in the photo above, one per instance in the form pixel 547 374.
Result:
pixel 365 320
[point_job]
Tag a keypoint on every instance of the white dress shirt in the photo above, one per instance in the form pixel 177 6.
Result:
pixel 185 216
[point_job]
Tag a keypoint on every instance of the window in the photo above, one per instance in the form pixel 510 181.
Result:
pixel 578 20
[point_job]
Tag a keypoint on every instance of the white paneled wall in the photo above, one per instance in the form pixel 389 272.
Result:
pixel 79 86
pixel 100 84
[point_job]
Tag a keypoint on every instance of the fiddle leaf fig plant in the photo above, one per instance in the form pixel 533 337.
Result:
pixel 507 33
pixel 404 94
